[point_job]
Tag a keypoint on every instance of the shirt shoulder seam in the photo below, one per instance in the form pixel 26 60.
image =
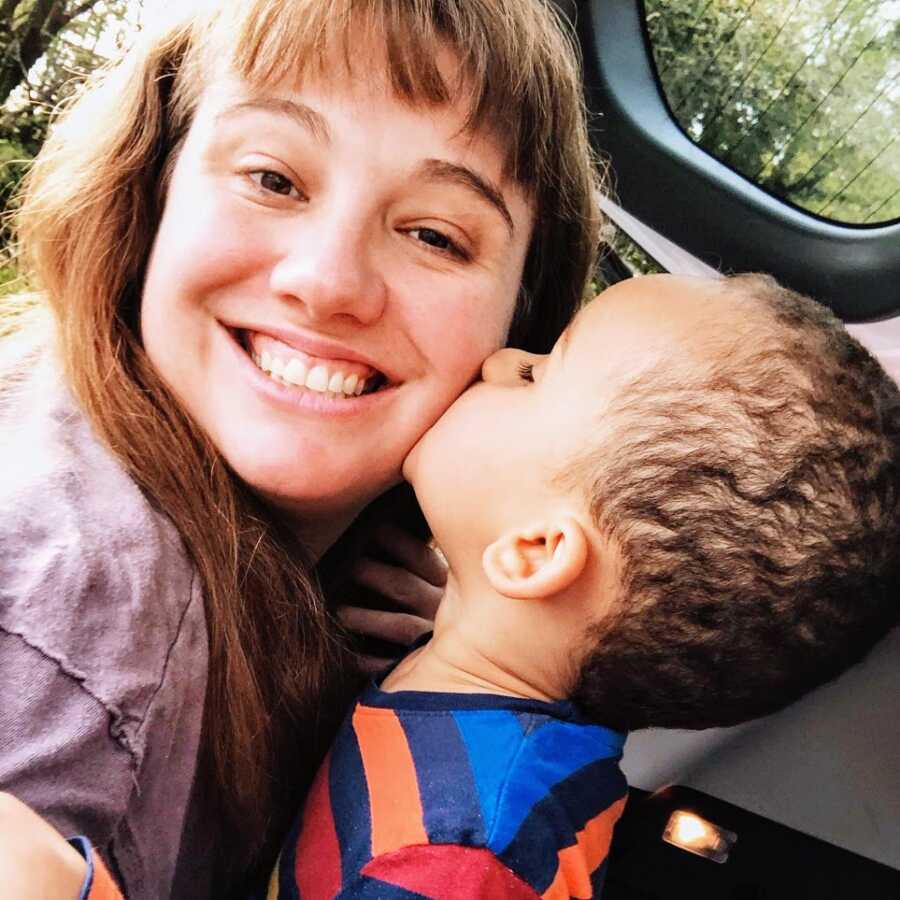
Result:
pixel 116 729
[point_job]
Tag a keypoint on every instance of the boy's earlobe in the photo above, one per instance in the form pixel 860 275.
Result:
pixel 537 562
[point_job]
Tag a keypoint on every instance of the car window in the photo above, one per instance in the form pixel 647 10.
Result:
pixel 801 97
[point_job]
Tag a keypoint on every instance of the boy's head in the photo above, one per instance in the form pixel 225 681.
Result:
pixel 693 500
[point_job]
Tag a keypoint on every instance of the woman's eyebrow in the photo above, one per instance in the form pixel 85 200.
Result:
pixel 451 173
pixel 299 113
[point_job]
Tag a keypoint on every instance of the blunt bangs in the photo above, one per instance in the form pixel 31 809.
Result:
pixel 510 56
pixel 515 70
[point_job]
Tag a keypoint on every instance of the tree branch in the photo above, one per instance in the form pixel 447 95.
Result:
pixel 25 47
pixel 7 8
pixel 77 11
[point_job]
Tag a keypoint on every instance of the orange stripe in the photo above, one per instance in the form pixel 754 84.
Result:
pixel 578 862
pixel 102 887
pixel 557 890
pixel 394 800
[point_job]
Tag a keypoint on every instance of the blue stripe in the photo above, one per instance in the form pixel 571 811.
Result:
pixel 450 799
pixel 493 740
pixel 556 750
pixel 554 821
pixel 83 846
pixel 350 803
pixel 591 790
pixel 528 722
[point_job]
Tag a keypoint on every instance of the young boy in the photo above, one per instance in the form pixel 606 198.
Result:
pixel 685 516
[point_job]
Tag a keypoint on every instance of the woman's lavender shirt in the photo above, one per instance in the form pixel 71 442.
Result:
pixel 103 652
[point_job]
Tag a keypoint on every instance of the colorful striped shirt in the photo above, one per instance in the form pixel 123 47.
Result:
pixel 98 883
pixel 457 796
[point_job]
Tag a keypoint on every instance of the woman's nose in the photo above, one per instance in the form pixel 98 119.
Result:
pixel 504 366
pixel 328 270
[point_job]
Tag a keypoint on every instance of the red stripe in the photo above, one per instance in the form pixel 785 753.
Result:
pixel 448 872
pixel 317 868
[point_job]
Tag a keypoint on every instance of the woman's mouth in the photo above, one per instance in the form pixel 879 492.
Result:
pixel 290 367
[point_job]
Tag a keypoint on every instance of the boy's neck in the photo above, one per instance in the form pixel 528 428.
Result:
pixel 450 663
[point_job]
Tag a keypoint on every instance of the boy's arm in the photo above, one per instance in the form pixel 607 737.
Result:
pixel 37 862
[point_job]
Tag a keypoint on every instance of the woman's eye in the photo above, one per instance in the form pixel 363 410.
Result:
pixel 275 183
pixel 526 372
pixel 439 241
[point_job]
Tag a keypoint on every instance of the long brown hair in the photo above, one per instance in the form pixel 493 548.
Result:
pixel 90 208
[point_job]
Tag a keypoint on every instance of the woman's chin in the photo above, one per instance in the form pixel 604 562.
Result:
pixel 313 492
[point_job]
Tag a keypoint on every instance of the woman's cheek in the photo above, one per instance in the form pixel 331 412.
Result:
pixel 228 246
pixel 476 331
pixel 210 233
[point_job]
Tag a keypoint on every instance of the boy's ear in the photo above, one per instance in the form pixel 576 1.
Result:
pixel 537 562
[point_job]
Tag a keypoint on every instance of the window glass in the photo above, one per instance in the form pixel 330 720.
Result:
pixel 637 260
pixel 801 97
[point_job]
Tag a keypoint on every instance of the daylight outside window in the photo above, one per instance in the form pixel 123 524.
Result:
pixel 800 97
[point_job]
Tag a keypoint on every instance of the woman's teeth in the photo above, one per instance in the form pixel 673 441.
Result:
pixel 319 378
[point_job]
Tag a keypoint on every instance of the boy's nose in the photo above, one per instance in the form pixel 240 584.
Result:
pixel 503 367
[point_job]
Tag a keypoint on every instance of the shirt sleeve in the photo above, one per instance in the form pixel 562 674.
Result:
pixel 56 751
pixel 440 872
pixel 98 884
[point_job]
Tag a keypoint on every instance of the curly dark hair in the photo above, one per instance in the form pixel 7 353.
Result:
pixel 755 507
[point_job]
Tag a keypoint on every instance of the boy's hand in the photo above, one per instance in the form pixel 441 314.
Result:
pixel 36 863
pixel 413 583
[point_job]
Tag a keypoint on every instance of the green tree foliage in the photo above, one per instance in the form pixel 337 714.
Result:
pixel 799 96
pixel 46 46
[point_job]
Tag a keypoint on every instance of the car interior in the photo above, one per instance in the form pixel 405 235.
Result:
pixel 745 136
pixel 806 802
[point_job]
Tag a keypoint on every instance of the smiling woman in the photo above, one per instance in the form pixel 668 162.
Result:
pixel 276 243
pixel 320 224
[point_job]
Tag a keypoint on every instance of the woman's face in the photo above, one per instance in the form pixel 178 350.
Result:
pixel 319 242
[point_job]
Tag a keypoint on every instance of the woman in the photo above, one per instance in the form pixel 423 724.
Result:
pixel 276 244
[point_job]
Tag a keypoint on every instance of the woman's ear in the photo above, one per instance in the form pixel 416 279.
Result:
pixel 537 562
